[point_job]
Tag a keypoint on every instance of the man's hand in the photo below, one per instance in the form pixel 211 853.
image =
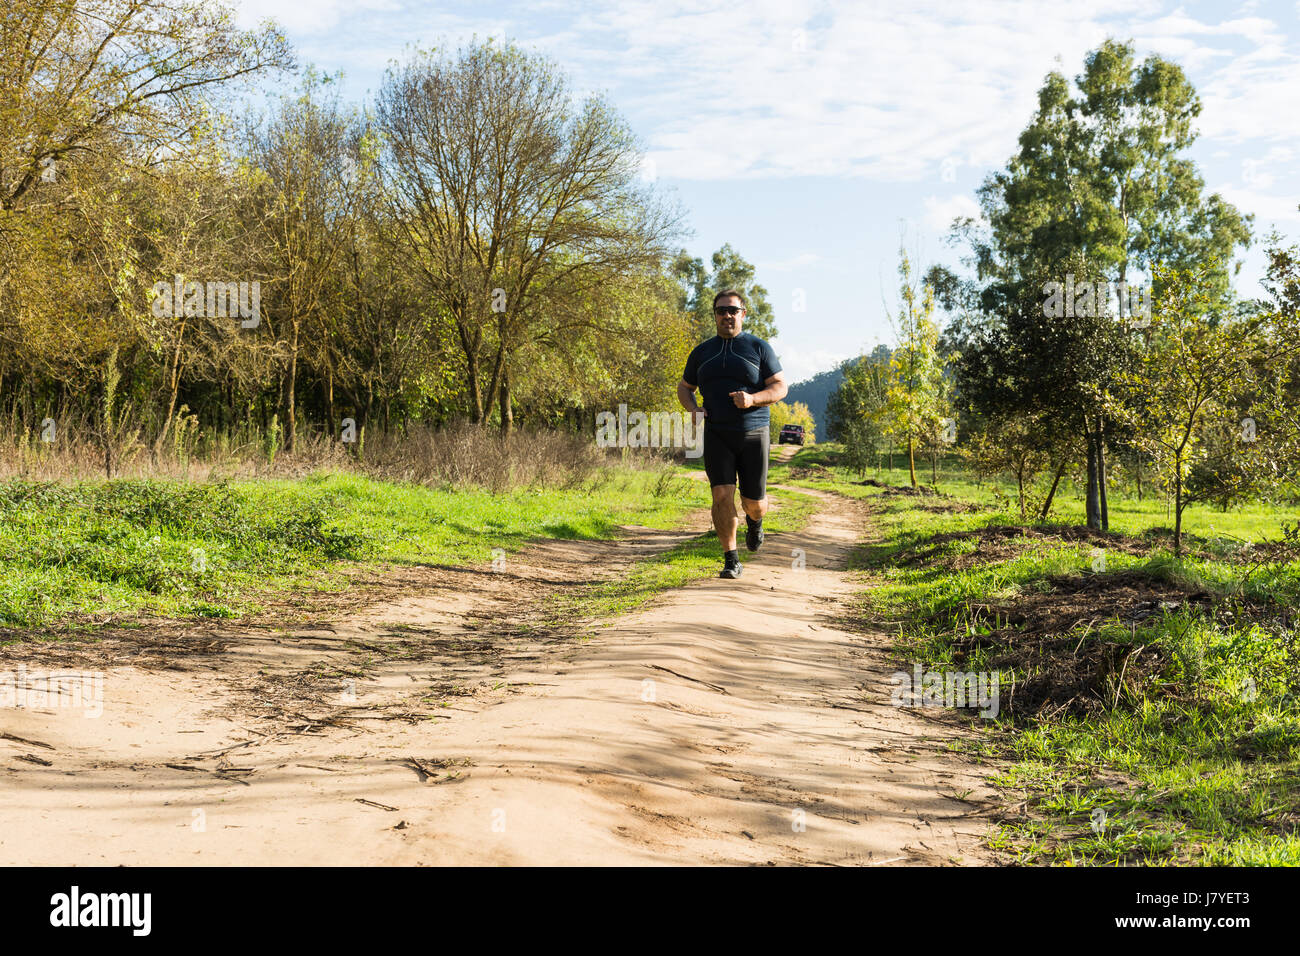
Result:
pixel 775 391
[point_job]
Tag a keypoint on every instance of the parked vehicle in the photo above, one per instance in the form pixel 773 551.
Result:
pixel 790 435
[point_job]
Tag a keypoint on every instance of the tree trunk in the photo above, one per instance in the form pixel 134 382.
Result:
pixel 507 413
pixel 173 388
pixel 475 396
pixel 107 424
pixel 1178 504
pixel 329 400
pixel 365 417
pixel 1093 503
pixel 1101 474
pixel 469 344
pixel 290 388
pixel 1051 492
pixel 911 459
pixel 494 387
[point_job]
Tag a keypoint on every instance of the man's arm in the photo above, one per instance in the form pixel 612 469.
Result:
pixel 775 391
pixel 686 395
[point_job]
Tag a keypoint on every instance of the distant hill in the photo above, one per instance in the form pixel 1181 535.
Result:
pixel 815 393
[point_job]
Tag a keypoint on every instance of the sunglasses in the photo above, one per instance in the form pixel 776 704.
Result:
pixel 727 310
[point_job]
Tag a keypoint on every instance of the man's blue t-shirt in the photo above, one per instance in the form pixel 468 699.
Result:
pixel 721 366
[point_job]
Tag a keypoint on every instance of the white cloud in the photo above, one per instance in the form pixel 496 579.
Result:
pixel 799 261
pixel 316 17
pixel 891 92
pixel 938 214
pixel 800 365
pixel 927 93
pixel 874 91
pixel 1268 209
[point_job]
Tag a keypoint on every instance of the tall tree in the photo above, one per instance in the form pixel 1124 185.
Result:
pixel 306 195
pixel 1100 189
pixel 85 76
pixel 916 371
pixel 507 193
pixel 106 108
pixel 729 270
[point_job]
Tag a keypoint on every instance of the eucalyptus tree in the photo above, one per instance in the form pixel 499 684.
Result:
pixel 728 270
pixel 1100 190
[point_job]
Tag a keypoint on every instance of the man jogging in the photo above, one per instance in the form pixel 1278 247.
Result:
pixel 738 376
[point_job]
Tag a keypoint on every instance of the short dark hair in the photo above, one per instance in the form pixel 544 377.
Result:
pixel 723 295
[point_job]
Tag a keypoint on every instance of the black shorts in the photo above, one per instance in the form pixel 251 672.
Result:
pixel 732 454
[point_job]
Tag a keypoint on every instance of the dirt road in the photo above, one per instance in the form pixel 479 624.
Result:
pixel 727 722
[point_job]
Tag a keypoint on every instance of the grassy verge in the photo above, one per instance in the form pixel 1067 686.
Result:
pixel 1149 705
pixel 76 555
pixel 700 557
pixel 817 466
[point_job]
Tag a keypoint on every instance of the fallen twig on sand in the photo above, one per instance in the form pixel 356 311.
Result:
pixel 694 679
pixel 243 743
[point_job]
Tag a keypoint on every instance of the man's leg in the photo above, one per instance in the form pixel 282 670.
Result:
pixel 725 521
pixel 754 509
pixel 751 467
pixel 720 451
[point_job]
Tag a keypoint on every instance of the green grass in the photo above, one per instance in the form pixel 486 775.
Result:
pixel 1194 762
pixel 1253 521
pixel 696 558
pixel 77 554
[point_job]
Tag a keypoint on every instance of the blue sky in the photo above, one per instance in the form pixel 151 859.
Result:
pixel 812 136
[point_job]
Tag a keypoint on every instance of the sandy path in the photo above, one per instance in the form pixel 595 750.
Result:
pixel 729 722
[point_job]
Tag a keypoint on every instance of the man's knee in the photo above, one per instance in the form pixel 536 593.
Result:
pixel 724 494
pixel 755 508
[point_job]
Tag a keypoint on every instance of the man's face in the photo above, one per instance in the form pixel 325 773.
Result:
pixel 729 314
